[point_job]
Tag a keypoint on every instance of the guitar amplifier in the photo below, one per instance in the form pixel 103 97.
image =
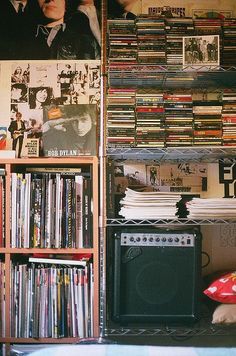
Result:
pixel 156 276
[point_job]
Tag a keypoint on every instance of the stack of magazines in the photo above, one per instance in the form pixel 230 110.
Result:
pixel 149 205
pixel 212 208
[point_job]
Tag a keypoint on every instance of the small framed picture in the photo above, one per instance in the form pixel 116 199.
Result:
pixel 201 50
pixel 153 175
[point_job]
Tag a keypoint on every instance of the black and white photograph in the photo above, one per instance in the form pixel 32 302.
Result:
pixel 201 50
pixel 20 73
pixel 153 175
pixel 40 96
pixel 19 93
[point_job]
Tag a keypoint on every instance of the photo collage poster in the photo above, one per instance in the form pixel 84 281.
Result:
pixel 185 177
pixel 34 86
pixel 3 131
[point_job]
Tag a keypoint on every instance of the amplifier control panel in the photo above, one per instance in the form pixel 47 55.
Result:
pixel 163 239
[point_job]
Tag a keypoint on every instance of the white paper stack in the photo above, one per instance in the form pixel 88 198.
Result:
pixel 212 208
pixel 149 205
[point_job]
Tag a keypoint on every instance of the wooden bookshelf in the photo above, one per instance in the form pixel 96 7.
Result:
pixel 7 253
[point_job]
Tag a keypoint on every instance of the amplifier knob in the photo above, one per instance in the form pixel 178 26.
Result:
pixel 163 239
pixel 151 239
pixel 170 239
pixel 144 239
pixel 138 239
pixel 132 238
pixel 157 239
pixel 176 239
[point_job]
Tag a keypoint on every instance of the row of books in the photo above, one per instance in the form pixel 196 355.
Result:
pixel 51 210
pixel 2 208
pixel 2 299
pixel 50 300
pixel 154 118
pixel 152 39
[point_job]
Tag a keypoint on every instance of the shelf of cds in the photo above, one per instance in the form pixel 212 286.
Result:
pixel 170 121
pixel 158 95
pixel 49 250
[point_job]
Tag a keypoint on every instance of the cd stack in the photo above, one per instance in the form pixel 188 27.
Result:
pixel 229 118
pixel 176 29
pixel 178 119
pixel 150 131
pixel 209 27
pixel 120 117
pixel 229 42
pixel 122 51
pixel 122 41
pixel 151 40
pixel 207 109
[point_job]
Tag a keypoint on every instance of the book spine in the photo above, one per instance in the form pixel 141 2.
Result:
pixel 1 211
pixel 79 204
pixel 110 190
pixel 87 214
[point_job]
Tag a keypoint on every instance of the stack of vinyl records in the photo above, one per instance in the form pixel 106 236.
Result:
pixel 178 119
pixel 151 39
pixel 207 118
pixel 122 41
pixel 223 208
pixel 229 42
pixel 150 130
pixel 149 205
pixel 229 118
pixel 176 29
pixel 121 117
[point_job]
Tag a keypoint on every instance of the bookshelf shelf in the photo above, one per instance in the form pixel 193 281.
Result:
pixel 17 258
pixel 55 251
pixel 12 340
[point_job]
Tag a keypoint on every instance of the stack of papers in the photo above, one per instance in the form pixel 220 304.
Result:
pixel 212 208
pixel 149 205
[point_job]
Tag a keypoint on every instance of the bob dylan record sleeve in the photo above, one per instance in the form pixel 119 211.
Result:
pixel 69 130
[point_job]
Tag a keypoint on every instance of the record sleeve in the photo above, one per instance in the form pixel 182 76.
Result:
pixel 69 130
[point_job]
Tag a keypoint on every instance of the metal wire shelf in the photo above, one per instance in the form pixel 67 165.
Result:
pixel 169 222
pixel 185 77
pixel 203 154
pixel 197 330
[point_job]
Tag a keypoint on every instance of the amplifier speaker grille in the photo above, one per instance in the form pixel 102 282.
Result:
pixel 156 283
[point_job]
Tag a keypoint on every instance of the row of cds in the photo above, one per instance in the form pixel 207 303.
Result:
pixel 153 118
pixel 150 39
